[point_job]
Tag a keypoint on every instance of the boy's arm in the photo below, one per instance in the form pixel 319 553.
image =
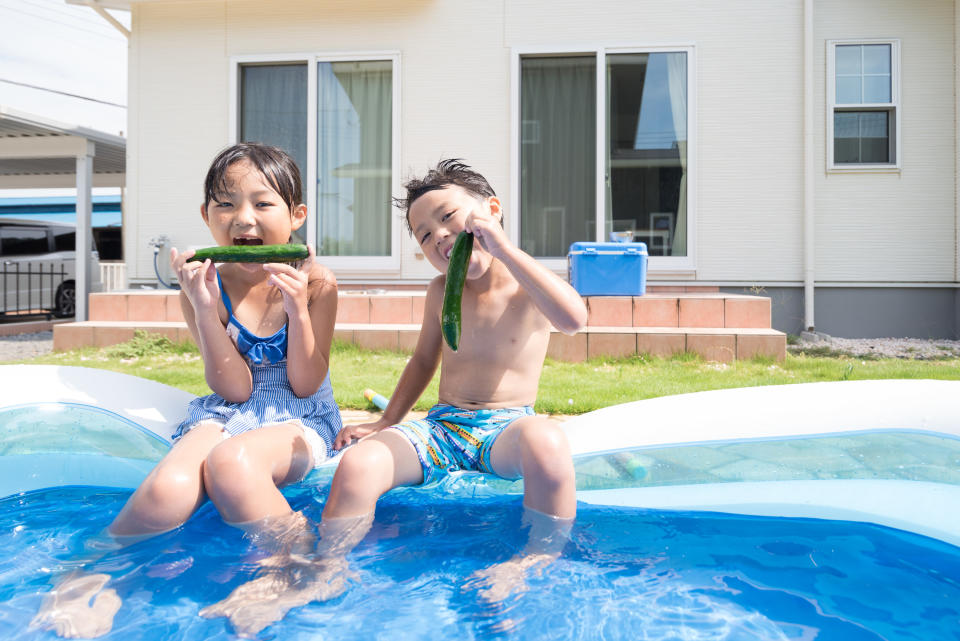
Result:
pixel 416 375
pixel 555 299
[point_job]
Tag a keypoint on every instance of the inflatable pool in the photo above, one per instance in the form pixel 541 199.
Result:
pixel 884 451
pixel 771 494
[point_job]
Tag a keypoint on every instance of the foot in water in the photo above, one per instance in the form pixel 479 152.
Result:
pixel 288 580
pixel 78 607
pixel 546 539
pixel 285 582
pixel 499 581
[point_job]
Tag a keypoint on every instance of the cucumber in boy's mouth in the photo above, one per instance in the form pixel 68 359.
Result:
pixel 252 254
pixel 450 317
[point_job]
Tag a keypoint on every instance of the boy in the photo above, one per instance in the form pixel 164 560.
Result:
pixel 484 421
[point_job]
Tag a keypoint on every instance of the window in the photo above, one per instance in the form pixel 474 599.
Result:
pixel 863 112
pixel 336 115
pixel 273 110
pixel 621 173
pixel 22 241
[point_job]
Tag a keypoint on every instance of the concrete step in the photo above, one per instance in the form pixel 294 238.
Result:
pixel 721 344
pixel 655 309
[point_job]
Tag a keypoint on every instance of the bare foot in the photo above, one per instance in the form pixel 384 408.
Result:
pixel 497 582
pixel 67 610
pixel 284 584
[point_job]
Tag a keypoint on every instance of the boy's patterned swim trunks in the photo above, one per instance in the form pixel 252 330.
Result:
pixel 450 438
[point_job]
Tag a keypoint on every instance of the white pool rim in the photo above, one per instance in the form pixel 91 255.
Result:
pixel 721 416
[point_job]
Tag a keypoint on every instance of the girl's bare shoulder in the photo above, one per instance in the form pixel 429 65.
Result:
pixel 321 276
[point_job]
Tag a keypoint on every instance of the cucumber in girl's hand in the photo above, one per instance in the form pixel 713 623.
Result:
pixel 450 317
pixel 252 254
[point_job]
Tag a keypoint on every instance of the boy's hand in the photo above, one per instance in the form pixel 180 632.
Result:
pixel 351 433
pixel 488 230
pixel 292 282
pixel 197 280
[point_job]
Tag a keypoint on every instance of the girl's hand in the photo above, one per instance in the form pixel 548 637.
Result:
pixel 292 282
pixel 488 230
pixel 197 280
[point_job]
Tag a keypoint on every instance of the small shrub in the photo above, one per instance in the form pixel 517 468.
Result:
pixel 147 344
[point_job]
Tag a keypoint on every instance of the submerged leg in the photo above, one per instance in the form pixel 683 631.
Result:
pixel 79 605
pixel 537 449
pixel 293 580
pixel 366 471
pixel 545 542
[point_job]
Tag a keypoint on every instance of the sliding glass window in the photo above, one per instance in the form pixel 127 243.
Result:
pixel 353 157
pixel 348 167
pixel 642 190
pixel 557 153
pixel 273 111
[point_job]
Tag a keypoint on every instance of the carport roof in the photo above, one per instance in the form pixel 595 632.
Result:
pixel 35 153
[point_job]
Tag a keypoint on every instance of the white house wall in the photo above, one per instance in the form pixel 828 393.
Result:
pixel 455 66
pixel 893 226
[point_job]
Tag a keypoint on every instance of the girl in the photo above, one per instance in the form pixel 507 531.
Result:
pixel 264 332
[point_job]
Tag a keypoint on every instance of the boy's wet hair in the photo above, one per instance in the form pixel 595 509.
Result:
pixel 452 171
pixel 276 165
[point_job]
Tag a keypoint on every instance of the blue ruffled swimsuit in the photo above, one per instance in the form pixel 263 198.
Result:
pixel 272 400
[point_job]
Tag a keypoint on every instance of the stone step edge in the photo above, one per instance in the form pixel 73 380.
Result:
pixel 589 329
pixel 719 344
pixel 423 293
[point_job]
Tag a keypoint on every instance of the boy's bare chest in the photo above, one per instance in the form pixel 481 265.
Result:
pixel 507 315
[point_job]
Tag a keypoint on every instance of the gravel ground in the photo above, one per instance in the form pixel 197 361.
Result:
pixel 908 348
pixel 22 346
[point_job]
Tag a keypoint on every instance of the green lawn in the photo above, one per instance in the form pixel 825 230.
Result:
pixel 565 388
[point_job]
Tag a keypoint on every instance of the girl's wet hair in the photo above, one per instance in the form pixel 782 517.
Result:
pixel 276 165
pixel 452 171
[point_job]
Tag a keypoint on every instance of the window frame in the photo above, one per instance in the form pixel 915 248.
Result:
pixel 894 107
pixel 682 266
pixel 357 264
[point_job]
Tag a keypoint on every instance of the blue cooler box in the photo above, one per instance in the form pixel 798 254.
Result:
pixel 608 269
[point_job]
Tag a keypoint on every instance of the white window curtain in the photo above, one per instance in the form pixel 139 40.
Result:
pixel 557 153
pixel 677 83
pixel 273 110
pixel 354 131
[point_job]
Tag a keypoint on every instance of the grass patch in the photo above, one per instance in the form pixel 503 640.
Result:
pixel 565 388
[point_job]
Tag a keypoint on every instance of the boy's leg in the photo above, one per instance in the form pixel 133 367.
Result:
pixel 370 469
pixel 536 448
pixel 79 605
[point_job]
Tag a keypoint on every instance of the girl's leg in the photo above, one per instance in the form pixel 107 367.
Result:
pixel 79 605
pixel 173 490
pixel 243 474
pixel 366 471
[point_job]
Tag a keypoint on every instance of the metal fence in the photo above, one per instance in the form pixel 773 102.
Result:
pixel 30 288
pixel 113 275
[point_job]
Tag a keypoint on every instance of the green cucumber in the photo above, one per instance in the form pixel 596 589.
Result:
pixel 450 317
pixel 252 253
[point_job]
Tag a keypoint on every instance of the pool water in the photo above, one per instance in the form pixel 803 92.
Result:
pixel 627 573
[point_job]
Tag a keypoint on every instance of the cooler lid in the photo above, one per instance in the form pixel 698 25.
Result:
pixel 619 249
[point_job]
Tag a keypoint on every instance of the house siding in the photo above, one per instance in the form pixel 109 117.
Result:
pixel 897 226
pixel 455 73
